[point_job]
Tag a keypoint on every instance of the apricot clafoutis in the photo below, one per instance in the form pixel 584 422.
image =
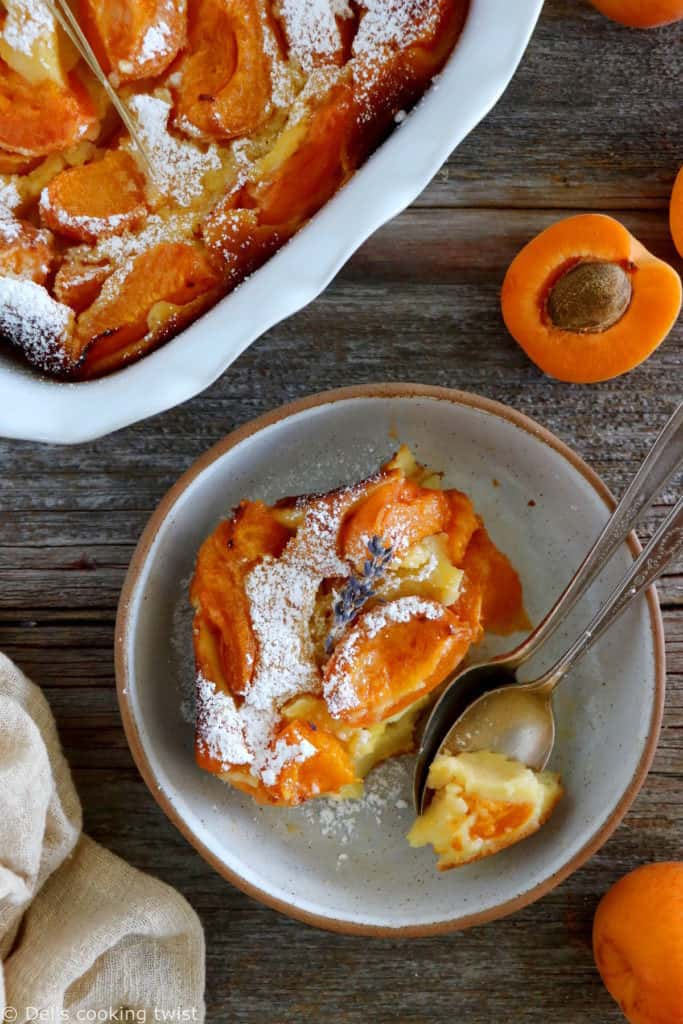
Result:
pixel 249 115
pixel 325 624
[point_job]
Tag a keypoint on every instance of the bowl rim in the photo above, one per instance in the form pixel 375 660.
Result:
pixel 124 672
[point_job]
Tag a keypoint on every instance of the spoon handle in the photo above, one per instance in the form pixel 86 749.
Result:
pixel 660 465
pixel 662 549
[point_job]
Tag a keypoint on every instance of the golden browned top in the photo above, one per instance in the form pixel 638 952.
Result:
pixel 250 114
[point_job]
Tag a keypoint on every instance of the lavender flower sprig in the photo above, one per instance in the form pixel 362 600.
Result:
pixel 360 589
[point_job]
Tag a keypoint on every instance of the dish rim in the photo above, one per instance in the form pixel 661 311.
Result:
pixel 123 671
pixel 36 408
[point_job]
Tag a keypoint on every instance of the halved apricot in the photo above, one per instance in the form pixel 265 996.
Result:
pixel 488 570
pixel 587 302
pixel 308 164
pixel 225 87
pixel 225 646
pixel 392 656
pixel 134 38
pixel 174 273
pixel 399 512
pixel 25 251
pixel 41 118
pixel 321 765
pixel 641 13
pixel 676 212
pixel 95 200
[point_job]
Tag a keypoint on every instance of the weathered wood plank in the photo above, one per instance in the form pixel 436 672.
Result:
pixel 591 121
pixel 419 301
pixel 533 966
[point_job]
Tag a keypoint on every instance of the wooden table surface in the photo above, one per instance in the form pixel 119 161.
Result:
pixel 591 121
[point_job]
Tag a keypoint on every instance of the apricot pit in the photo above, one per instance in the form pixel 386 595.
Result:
pixel 592 297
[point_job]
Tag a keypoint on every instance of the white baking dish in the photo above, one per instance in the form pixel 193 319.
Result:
pixel 36 408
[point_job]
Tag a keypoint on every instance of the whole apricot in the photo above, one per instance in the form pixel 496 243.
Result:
pixel 638 943
pixel 641 13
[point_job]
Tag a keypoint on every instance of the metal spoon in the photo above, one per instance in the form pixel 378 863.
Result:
pixel 517 720
pixel 467 686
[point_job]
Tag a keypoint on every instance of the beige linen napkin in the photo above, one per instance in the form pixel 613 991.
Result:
pixel 83 936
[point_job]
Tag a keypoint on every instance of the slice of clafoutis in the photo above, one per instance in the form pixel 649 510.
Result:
pixel 325 624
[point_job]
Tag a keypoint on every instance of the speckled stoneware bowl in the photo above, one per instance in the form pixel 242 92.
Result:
pixel 348 867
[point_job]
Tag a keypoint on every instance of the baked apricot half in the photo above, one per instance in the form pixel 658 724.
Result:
pixel 587 302
pixel 41 118
pixel 225 645
pixel 224 88
pixel 134 38
pixel 322 766
pixel 641 13
pixel 310 162
pixel 95 200
pixel 120 325
pixel 399 511
pixel 391 657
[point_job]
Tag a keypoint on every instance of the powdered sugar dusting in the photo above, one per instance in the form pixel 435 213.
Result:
pixel 404 609
pixel 394 24
pixel 312 29
pixel 155 41
pixel 10 229
pixel 386 791
pixel 281 595
pixel 120 248
pixel 179 165
pixel 32 319
pixel 387 26
pixel 283 754
pixel 10 198
pixel 220 724
pixel 281 81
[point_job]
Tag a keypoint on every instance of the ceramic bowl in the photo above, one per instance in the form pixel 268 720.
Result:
pixel 35 408
pixel 347 866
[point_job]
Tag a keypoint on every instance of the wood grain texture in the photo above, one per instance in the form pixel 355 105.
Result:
pixel 593 120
